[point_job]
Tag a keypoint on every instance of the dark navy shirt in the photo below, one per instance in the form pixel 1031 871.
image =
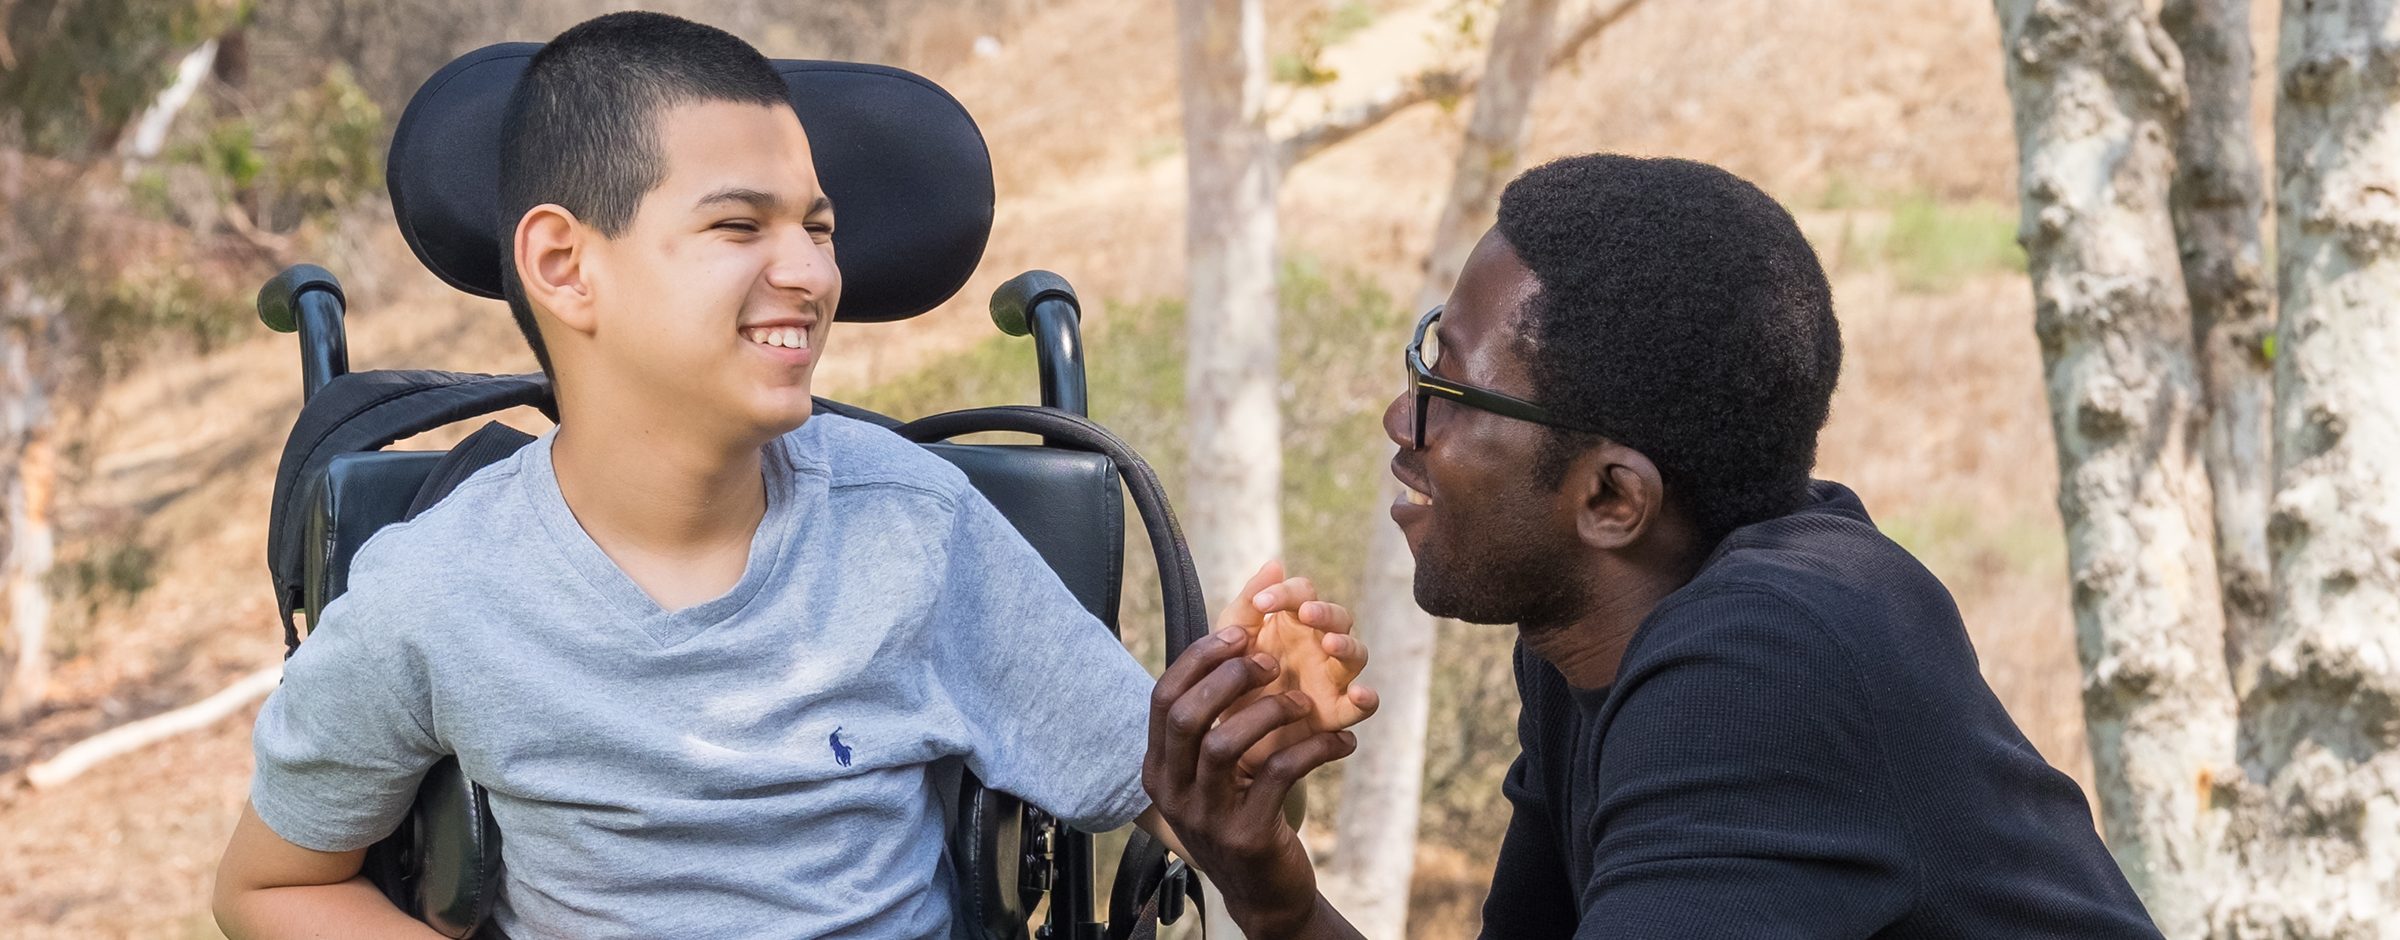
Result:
pixel 1798 744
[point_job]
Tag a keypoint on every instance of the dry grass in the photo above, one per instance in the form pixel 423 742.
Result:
pixel 1940 423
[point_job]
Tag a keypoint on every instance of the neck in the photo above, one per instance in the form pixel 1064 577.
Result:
pixel 661 488
pixel 1588 649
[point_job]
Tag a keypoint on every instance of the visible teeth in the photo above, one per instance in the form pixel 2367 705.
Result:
pixel 788 337
pixel 1419 498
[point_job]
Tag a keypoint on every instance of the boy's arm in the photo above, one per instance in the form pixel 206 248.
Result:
pixel 270 888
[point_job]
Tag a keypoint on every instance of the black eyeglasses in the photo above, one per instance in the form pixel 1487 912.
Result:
pixel 1428 385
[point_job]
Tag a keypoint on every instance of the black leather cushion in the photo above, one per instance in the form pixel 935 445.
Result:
pixel 360 493
pixel 903 161
pixel 1068 503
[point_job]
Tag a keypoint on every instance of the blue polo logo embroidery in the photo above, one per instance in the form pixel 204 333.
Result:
pixel 841 752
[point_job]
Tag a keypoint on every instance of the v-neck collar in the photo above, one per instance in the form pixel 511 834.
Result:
pixel 619 593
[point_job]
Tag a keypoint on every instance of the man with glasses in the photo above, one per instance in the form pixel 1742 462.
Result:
pixel 1746 713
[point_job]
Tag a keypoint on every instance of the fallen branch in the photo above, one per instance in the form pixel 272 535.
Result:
pixel 1355 118
pixel 83 755
pixel 270 247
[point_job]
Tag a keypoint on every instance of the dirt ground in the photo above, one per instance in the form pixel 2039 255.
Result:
pixel 1940 422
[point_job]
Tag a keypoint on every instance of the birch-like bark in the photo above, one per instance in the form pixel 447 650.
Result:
pixel 1234 481
pixel 2320 836
pixel 2218 199
pixel 1376 825
pixel 25 413
pixel 2096 88
pixel 150 130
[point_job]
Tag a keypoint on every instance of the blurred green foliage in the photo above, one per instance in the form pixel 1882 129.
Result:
pixel 152 254
pixel 314 152
pixel 1321 28
pixel 77 71
pixel 1934 246
pixel 1929 244
pixel 102 576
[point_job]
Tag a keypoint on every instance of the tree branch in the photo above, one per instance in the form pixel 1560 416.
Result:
pixel 1355 118
pixel 115 742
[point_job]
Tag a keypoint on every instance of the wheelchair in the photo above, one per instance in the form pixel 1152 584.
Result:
pixel 910 170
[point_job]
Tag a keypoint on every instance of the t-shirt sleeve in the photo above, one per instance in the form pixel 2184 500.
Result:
pixel 342 744
pixel 1057 710
pixel 1743 792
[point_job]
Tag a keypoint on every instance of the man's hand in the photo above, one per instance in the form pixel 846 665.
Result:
pixel 1314 652
pixel 1213 706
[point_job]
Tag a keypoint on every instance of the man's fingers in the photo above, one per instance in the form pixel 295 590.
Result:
pixel 1275 778
pixel 1197 662
pixel 1242 730
pixel 1188 719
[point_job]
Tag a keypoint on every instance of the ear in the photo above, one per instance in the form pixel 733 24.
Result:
pixel 1619 497
pixel 550 255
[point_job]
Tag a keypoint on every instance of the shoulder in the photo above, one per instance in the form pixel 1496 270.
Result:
pixel 854 455
pixel 1744 618
pixel 1823 584
pixel 477 529
pixel 1759 669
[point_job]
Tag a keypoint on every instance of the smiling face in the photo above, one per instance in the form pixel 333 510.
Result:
pixel 715 302
pixel 1493 541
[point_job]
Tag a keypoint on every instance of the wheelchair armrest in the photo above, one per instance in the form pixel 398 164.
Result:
pixel 442 866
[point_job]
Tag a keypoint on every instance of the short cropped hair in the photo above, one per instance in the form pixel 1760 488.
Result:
pixel 1681 313
pixel 582 126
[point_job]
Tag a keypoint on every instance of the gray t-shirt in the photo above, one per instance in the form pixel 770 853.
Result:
pixel 771 763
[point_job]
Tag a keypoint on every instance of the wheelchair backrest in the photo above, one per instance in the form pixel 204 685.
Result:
pixel 1067 503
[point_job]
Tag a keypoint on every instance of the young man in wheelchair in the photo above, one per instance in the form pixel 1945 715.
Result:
pixel 703 648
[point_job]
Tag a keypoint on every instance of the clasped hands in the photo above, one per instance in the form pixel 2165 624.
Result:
pixel 1240 719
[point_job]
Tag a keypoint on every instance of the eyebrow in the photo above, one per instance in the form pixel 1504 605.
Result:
pixel 759 201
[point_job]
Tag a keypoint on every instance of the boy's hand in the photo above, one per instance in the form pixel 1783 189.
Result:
pixel 1311 642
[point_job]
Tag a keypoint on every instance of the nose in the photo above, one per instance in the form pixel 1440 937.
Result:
pixel 1399 418
pixel 805 266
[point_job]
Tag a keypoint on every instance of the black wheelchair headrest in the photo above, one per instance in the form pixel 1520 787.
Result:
pixel 901 159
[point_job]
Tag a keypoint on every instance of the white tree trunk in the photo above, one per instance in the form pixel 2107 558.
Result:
pixel 150 130
pixel 2096 87
pixel 1376 825
pixel 1233 486
pixel 31 482
pixel 2320 840
pixel 2218 202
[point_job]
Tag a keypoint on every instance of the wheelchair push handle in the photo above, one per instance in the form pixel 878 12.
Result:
pixel 1043 305
pixel 308 299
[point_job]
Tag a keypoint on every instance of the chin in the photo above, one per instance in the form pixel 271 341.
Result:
pixel 1499 586
pixel 784 408
pixel 792 421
